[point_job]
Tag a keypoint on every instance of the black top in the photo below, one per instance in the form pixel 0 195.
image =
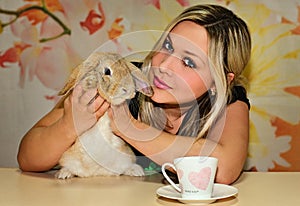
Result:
pixel 239 93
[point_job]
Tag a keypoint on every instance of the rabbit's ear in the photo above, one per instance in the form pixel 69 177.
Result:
pixel 71 81
pixel 141 82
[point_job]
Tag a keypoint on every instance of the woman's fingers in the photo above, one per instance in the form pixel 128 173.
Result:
pixel 88 97
pixel 94 103
pixel 102 109
pixel 123 121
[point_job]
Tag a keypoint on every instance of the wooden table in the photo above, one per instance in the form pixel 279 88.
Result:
pixel 42 189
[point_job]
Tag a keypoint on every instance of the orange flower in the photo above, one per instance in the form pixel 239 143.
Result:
pixel 183 2
pixel 297 29
pixel 94 21
pixel 116 29
pixel 36 16
pixel 293 130
pixel 155 3
pixel 12 55
pixel 293 90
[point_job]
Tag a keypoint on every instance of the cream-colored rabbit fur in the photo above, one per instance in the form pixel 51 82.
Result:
pixel 116 80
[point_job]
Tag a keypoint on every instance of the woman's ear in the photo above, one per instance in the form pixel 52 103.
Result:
pixel 230 77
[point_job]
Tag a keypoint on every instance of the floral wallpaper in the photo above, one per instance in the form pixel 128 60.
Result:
pixel 43 40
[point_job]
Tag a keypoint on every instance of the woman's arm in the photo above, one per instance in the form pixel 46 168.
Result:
pixel 231 148
pixel 43 145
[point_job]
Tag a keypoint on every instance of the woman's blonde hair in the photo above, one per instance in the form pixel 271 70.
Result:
pixel 229 52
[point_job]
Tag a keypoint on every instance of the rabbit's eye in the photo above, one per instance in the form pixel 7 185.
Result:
pixel 107 71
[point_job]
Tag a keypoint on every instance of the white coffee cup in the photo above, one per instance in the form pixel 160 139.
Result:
pixel 196 176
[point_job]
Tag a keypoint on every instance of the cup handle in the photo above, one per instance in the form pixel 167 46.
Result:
pixel 167 177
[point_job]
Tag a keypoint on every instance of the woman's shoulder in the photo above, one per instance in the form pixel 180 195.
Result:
pixel 239 93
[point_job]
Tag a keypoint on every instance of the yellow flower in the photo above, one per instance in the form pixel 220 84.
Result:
pixel 274 65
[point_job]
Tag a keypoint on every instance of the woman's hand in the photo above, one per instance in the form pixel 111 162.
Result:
pixel 121 119
pixel 124 125
pixel 83 109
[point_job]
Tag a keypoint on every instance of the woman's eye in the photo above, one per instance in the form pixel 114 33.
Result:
pixel 168 46
pixel 189 62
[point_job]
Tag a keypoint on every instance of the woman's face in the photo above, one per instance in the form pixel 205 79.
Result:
pixel 179 70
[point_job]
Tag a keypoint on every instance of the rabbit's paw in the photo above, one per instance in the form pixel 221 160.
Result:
pixel 64 173
pixel 135 170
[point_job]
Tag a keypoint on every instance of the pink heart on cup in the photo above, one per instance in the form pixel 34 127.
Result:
pixel 200 179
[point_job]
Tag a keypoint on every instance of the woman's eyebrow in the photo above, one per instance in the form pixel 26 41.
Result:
pixel 189 52
pixel 194 54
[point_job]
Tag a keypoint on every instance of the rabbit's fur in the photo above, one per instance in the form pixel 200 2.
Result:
pixel 116 80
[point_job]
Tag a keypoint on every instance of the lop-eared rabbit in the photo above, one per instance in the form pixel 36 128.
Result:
pixel 98 151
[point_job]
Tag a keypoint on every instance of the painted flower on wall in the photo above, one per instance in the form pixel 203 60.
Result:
pixel 45 30
pixel 94 21
pixel 42 37
pixel 157 3
pixel 37 58
pixel 269 76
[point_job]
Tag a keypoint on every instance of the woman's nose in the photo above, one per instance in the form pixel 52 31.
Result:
pixel 169 63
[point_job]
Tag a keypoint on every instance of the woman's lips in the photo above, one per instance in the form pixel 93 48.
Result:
pixel 160 84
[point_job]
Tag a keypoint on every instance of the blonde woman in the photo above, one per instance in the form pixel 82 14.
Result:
pixel 199 106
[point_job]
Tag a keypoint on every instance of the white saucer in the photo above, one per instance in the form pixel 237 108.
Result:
pixel 220 191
